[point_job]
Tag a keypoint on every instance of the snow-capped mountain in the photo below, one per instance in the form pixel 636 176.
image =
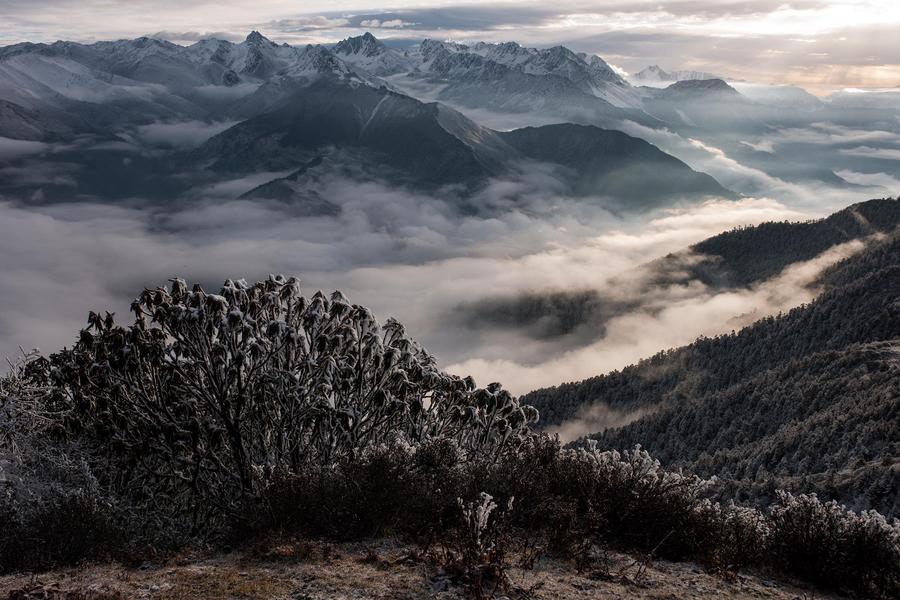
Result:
pixel 145 68
pixel 370 55
pixel 589 74
pixel 258 58
pixel 428 145
pixel 150 79
pixel 654 74
pixel 260 109
pixel 126 83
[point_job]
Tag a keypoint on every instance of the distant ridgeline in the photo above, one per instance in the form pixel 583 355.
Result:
pixel 300 117
pixel 807 400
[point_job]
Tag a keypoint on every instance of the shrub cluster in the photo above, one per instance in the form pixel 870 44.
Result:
pixel 826 543
pixel 256 411
pixel 575 499
pixel 205 398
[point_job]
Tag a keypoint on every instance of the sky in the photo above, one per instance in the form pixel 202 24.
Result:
pixel 821 45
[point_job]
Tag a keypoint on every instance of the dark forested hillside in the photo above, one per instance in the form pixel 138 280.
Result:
pixel 809 400
pixel 826 423
pixel 736 259
pixel 745 256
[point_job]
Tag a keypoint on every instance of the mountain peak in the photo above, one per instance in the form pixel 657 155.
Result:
pixel 701 87
pixel 655 73
pixel 364 45
pixel 255 38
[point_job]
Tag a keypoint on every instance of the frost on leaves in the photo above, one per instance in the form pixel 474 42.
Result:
pixel 210 394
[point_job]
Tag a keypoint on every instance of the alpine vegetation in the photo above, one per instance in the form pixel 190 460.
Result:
pixel 196 404
pixel 256 411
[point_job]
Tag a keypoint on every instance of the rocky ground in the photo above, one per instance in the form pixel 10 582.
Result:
pixel 312 571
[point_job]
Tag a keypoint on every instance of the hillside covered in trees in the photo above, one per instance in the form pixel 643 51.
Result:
pixel 749 255
pixel 806 401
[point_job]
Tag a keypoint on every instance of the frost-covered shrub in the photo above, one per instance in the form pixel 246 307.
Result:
pixel 826 543
pixel 475 551
pixel 52 511
pixel 645 506
pixel 728 537
pixel 329 499
pixel 626 497
pixel 394 487
pixel 206 397
pixel 34 462
pixel 63 530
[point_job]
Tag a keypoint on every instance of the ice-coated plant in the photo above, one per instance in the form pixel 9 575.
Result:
pixel 479 556
pixel 210 394
pixel 34 464
pixel 476 517
pixel 828 543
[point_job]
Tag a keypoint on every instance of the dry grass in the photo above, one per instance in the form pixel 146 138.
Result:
pixel 305 570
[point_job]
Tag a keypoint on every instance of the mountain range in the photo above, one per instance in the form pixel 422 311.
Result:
pixel 303 114
pixel 128 119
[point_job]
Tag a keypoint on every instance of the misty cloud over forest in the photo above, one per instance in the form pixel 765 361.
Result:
pixel 402 255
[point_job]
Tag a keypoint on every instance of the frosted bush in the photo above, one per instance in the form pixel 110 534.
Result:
pixel 210 394
pixel 35 466
pixel 730 536
pixel 476 517
pixel 478 553
pixel 827 543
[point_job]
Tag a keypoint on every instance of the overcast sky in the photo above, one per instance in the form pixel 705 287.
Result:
pixel 822 45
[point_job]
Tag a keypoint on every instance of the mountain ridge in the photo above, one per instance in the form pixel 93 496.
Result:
pixel 117 88
pixel 744 406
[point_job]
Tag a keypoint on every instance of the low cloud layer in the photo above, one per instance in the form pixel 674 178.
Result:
pixel 679 316
pixel 402 254
pixel 178 135
pixel 595 418
pixel 10 148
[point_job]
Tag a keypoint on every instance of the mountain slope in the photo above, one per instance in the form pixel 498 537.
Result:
pixel 709 104
pixel 734 261
pixel 805 400
pixel 835 432
pixel 398 131
pixel 611 162
pixel 749 255
pixel 396 138
pixel 294 105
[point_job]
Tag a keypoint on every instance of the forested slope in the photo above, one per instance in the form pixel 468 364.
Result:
pixel 807 400
pixel 747 255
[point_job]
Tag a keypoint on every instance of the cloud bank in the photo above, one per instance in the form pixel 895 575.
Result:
pixel 676 317
pixel 402 254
